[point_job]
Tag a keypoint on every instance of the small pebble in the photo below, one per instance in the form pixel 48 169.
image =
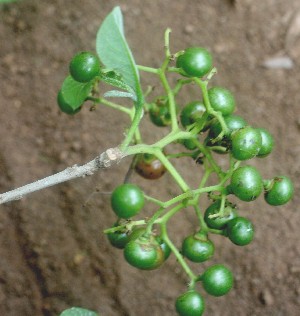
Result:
pixel 266 298
pixel 188 29
pixel 283 62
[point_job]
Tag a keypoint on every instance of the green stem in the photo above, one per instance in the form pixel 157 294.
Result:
pixel 148 69
pixel 134 124
pixel 180 84
pixel 171 100
pixel 211 160
pixel 153 200
pixel 173 136
pixel 203 225
pixel 127 225
pixel 157 152
pixel 110 104
pixel 212 188
pixel 167 240
pixel 153 219
pixel 209 109
pixel 179 198
pixel 183 154
pixel 172 170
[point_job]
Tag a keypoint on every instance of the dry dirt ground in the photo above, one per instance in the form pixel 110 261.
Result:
pixel 53 253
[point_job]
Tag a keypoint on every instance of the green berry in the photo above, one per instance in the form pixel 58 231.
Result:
pixel 267 143
pixel 127 200
pixel 246 143
pixel 191 112
pixel 190 303
pixel 240 231
pixel 217 280
pixel 246 183
pixel 195 62
pixel 221 100
pixel 84 67
pixel 280 192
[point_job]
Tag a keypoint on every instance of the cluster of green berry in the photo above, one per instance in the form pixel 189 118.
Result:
pixel 207 128
pixel 223 133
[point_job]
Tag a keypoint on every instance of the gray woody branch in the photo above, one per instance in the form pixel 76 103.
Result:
pixel 105 160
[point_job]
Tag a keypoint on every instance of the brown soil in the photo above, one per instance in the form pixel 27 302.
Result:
pixel 52 249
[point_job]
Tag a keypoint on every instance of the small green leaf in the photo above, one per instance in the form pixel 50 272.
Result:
pixel 113 50
pixel 74 92
pixel 76 311
pixel 114 79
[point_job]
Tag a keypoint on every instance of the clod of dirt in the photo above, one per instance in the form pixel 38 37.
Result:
pixel 266 297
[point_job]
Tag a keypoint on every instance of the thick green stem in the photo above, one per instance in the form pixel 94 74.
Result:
pixel 134 124
pixel 172 170
pixel 148 69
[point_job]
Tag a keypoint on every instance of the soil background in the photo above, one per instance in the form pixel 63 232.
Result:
pixel 53 254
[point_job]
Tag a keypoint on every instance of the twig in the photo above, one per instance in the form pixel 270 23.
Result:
pixel 105 160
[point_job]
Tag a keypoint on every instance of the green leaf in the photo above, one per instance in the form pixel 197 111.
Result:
pixel 74 92
pixel 113 50
pixel 114 79
pixel 76 311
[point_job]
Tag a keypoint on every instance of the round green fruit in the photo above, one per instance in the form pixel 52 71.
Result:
pixel 221 100
pixel 246 143
pixel 84 67
pixel 127 200
pixel 195 62
pixel 160 115
pixel 280 192
pixel 267 143
pixel 221 221
pixel 233 123
pixel 164 247
pixel 144 253
pixel 246 183
pixel 240 231
pixel 217 280
pixel 190 143
pixel 191 112
pixel 190 303
pixel 118 239
pixel 198 248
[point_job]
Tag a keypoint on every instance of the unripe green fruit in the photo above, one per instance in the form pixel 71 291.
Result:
pixel 246 143
pixel 240 231
pixel 217 280
pixel 267 143
pixel 221 100
pixel 84 67
pixel 246 183
pixel 281 191
pixel 190 303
